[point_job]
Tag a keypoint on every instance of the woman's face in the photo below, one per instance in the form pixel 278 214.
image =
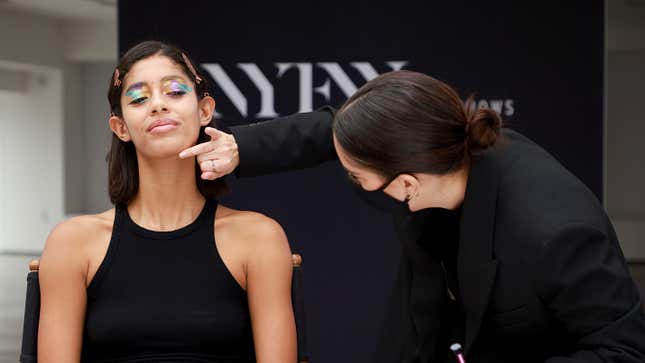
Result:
pixel 367 178
pixel 161 112
pixel 423 190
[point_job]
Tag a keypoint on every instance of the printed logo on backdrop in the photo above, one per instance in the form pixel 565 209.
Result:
pixel 255 92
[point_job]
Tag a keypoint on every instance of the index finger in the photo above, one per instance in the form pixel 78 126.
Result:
pixel 204 147
pixel 213 133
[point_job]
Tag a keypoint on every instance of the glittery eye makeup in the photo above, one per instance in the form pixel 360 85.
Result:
pixel 138 93
pixel 175 86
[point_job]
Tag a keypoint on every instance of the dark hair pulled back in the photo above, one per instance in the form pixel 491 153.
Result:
pixel 483 127
pixel 408 122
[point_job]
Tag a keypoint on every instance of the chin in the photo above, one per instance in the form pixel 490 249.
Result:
pixel 167 147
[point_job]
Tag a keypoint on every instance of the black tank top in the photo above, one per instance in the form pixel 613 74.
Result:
pixel 166 297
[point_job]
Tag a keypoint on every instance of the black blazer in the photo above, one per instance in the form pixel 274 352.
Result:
pixel 540 271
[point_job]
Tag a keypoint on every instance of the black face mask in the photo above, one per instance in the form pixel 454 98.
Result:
pixel 379 200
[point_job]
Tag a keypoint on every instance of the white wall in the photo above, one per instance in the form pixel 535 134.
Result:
pixel 31 44
pixel 90 41
pixel 73 133
pixel 74 50
pixel 625 151
pixel 96 134
pixel 625 124
pixel 31 158
pixel 30 39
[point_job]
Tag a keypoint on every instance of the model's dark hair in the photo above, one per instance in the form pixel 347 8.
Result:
pixel 408 122
pixel 123 169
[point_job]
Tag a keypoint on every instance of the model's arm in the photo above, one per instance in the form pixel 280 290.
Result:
pixel 586 284
pixel 292 142
pixel 62 276
pixel 268 286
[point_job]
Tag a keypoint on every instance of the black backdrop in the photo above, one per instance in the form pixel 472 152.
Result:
pixel 540 64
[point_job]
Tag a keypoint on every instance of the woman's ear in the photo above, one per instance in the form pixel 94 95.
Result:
pixel 206 110
pixel 120 129
pixel 410 185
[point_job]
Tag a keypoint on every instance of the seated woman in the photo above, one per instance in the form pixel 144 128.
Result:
pixel 168 275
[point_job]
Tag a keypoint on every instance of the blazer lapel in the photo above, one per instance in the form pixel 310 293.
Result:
pixel 476 266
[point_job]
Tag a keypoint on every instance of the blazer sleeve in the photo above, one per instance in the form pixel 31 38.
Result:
pixel 293 142
pixel 585 281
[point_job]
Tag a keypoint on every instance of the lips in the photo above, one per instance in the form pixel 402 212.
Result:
pixel 162 124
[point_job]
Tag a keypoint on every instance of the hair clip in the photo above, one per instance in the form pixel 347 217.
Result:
pixel 192 69
pixel 117 81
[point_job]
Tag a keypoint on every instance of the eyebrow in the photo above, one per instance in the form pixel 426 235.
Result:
pixel 166 78
pixel 172 77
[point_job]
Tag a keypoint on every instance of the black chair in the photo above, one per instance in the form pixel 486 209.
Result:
pixel 32 312
pixel 298 301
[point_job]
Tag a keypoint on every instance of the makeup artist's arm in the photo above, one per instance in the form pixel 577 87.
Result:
pixel 584 280
pixel 292 142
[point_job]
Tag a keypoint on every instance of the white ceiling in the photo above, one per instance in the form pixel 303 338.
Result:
pixel 102 10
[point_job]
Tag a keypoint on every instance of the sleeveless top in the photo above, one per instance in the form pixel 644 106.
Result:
pixel 166 297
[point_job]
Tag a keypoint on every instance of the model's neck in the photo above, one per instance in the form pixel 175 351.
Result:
pixel 168 197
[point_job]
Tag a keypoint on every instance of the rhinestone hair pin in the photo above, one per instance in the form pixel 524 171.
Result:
pixel 192 69
pixel 117 81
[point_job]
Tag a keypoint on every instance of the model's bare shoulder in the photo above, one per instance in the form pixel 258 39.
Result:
pixel 253 236
pixel 73 242
pixel 243 238
pixel 250 227
pixel 80 230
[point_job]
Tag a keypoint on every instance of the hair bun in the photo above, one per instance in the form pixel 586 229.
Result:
pixel 482 129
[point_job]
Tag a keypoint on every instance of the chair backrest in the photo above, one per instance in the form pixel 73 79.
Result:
pixel 29 349
pixel 298 301
pixel 32 313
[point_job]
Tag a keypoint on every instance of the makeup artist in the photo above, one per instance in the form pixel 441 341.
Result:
pixel 504 250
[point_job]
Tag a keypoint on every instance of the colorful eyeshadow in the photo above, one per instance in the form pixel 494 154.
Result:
pixel 173 85
pixel 138 91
